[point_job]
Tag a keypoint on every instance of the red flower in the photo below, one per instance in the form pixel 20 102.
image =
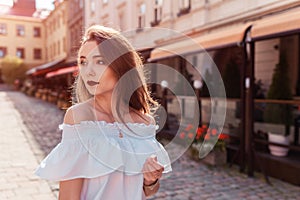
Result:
pixel 189 127
pixel 223 136
pixel 207 136
pixel 191 135
pixel 214 132
pixel 182 135
pixel 209 131
pixel 199 131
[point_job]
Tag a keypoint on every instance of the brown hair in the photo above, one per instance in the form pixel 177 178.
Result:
pixel 121 58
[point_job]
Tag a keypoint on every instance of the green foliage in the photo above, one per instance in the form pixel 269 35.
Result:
pixel 280 89
pixel 232 80
pixel 13 68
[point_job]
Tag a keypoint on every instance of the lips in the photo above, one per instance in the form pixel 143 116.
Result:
pixel 92 83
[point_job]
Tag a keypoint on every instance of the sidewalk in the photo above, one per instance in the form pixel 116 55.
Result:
pixel 29 130
pixel 17 161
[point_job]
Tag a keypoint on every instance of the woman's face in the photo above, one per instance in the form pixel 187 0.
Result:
pixel 95 73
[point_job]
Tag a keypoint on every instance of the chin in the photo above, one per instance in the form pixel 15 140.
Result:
pixel 91 91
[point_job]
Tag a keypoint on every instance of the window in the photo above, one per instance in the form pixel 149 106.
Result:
pixel 3 51
pixel 122 21
pixel 63 18
pixel 37 54
pixel 3 30
pixel 54 49
pixel 54 24
pixel 58 47
pixel 20 30
pixel 184 4
pixel 58 21
pixel 36 32
pixel 20 53
pixel 184 7
pixel 157 12
pixel 141 17
pixel 50 52
pixel 64 44
pixel 93 7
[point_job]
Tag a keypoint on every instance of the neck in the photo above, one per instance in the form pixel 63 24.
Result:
pixel 103 103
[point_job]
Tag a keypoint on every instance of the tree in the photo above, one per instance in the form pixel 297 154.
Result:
pixel 13 68
pixel 280 89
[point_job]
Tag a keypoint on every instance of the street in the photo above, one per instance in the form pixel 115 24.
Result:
pixel 29 130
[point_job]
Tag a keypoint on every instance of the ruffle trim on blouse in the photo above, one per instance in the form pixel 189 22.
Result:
pixel 110 124
pixel 89 151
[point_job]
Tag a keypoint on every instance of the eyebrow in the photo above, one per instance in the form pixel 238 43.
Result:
pixel 96 56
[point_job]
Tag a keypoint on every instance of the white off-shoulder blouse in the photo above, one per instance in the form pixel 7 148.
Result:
pixel 109 157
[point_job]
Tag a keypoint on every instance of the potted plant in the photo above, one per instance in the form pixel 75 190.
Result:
pixel 198 135
pixel 276 113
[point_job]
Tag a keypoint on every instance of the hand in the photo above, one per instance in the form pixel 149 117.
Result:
pixel 152 170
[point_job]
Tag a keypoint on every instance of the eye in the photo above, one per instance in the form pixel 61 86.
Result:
pixel 100 62
pixel 82 62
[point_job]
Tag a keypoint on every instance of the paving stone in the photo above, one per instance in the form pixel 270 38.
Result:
pixel 189 179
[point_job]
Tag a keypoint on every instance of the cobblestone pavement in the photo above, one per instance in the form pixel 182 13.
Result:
pixel 189 179
pixel 17 160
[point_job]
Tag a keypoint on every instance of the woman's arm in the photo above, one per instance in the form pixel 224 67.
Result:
pixel 70 189
pixel 151 189
pixel 152 172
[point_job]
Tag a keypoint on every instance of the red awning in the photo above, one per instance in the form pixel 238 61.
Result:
pixel 43 69
pixel 62 71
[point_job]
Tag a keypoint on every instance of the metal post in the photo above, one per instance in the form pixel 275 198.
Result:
pixel 165 85
pixel 165 100
pixel 249 114
pixel 198 85
pixel 200 106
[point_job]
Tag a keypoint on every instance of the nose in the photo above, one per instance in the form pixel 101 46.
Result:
pixel 90 71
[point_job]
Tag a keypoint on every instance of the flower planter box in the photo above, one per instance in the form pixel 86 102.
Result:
pixel 214 158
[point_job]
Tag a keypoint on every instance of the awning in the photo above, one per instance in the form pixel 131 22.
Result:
pixel 44 68
pixel 274 25
pixel 215 39
pixel 62 71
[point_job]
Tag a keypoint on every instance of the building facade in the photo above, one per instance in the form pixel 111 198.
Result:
pixel 75 27
pixel 23 37
pixel 56 32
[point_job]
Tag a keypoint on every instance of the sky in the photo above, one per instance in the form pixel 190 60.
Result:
pixel 44 4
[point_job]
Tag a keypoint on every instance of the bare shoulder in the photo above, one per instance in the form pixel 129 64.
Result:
pixel 77 113
pixel 68 118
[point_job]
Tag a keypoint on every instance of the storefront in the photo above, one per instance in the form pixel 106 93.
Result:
pixel 246 56
pixel 52 82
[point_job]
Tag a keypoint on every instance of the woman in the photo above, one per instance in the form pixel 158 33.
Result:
pixel 108 148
